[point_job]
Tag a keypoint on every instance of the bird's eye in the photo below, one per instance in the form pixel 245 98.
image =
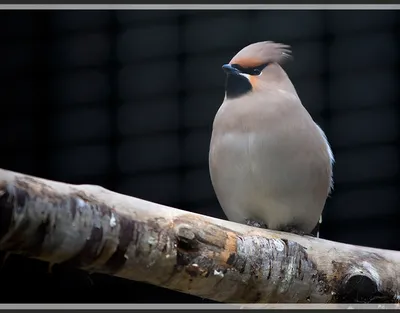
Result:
pixel 256 71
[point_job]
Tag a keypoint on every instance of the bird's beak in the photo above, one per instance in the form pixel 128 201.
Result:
pixel 228 69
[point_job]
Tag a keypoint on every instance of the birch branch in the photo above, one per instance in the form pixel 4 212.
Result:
pixel 101 231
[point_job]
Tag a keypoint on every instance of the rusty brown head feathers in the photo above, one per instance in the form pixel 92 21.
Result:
pixel 260 53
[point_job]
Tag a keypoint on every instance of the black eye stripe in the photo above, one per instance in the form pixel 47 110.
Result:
pixel 250 70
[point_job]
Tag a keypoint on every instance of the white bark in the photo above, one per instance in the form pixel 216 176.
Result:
pixel 101 231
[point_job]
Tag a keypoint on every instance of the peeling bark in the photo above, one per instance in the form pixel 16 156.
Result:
pixel 97 230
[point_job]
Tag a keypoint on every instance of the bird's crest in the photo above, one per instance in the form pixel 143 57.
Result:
pixel 261 53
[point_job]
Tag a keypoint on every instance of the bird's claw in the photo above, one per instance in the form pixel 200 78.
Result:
pixel 254 223
pixel 294 230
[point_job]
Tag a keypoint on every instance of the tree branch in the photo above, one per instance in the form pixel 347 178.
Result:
pixel 97 230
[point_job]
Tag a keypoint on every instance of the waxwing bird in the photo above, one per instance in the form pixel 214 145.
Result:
pixel 270 163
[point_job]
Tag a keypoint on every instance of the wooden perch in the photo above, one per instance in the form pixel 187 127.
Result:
pixel 97 230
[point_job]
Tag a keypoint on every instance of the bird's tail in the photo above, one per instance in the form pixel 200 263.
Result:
pixel 315 231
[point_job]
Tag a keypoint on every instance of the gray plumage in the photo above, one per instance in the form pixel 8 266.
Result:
pixel 269 161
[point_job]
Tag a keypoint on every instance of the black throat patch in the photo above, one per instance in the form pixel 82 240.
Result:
pixel 236 86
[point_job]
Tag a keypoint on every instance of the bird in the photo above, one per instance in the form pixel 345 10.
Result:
pixel 270 164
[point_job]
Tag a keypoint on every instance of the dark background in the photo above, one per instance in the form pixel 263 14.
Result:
pixel 126 100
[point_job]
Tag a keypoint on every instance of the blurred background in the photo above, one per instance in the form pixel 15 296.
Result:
pixel 126 100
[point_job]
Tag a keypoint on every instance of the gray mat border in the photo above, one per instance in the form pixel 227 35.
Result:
pixel 148 307
pixel 202 5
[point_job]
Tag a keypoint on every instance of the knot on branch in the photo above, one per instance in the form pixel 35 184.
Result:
pixel 360 282
pixel 186 239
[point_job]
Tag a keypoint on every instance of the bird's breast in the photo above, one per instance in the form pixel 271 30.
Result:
pixel 277 164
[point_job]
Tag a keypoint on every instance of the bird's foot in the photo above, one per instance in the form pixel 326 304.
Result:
pixel 254 223
pixel 294 230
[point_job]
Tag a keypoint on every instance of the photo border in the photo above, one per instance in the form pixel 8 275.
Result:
pixel 199 5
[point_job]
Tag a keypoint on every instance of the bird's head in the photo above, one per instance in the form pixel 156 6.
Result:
pixel 254 67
